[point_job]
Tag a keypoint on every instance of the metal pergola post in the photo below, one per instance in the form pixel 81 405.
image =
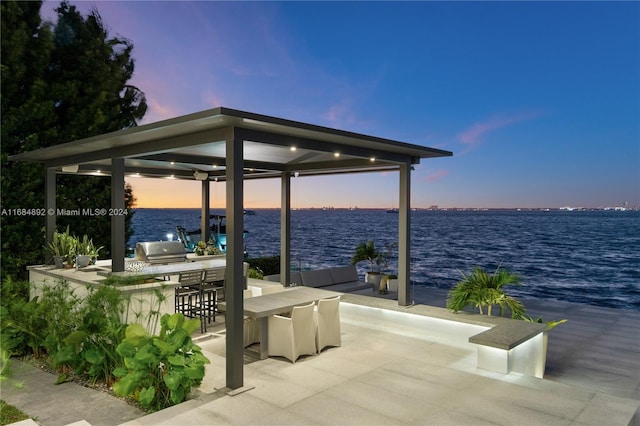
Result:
pixel 285 230
pixel 235 255
pixel 404 236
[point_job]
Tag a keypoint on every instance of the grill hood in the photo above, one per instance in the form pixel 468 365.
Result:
pixel 161 252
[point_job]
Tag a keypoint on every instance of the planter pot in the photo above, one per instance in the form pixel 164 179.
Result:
pixel 382 288
pixel 82 260
pixel 59 261
pixel 373 278
pixel 392 285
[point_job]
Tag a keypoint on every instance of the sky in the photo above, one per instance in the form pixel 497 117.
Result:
pixel 538 101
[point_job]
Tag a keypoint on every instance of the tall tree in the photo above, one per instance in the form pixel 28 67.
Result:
pixel 60 83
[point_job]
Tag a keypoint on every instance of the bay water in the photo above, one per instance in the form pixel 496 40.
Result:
pixel 590 257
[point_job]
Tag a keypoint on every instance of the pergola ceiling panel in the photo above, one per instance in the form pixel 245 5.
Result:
pixel 197 142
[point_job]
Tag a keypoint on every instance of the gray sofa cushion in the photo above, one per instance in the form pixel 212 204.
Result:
pixel 295 277
pixel 318 278
pixel 349 287
pixel 344 274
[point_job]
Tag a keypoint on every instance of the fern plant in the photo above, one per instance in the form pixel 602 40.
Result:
pixel 482 289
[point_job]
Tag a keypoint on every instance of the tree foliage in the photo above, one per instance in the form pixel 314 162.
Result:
pixel 60 82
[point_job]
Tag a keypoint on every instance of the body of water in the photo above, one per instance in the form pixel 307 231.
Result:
pixel 590 257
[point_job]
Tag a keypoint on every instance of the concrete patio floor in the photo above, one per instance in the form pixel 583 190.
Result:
pixel 384 375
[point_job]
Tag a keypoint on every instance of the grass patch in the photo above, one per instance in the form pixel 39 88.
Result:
pixel 10 414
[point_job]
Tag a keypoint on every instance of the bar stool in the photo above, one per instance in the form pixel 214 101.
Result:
pixel 212 285
pixel 187 294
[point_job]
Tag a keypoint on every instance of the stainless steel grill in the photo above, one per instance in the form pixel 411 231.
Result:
pixel 161 252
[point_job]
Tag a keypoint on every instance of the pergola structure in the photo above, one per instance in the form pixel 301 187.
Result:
pixel 228 145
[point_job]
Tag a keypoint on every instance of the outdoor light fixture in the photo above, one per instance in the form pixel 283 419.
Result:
pixel 373 159
pixel 71 169
pixel 336 154
pixel 293 148
pixel 200 175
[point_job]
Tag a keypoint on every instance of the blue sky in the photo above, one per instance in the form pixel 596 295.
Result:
pixel 539 101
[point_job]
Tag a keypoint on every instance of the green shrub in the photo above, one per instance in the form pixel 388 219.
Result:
pixel 159 371
pixel 254 273
pixel 22 332
pixel 482 289
pixel 91 347
pixel 266 265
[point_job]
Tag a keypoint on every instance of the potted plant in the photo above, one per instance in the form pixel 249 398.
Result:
pixel 86 252
pixel 383 261
pixel 366 251
pixel 60 246
pixel 482 289
pixel 211 249
pixel 200 248
pixel 392 282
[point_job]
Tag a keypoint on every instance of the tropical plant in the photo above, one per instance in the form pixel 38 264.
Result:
pixel 91 347
pixel 21 328
pixel 62 243
pixel 366 251
pixel 482 289
pixel 159 371
pixel 200 248
pixel 550 324
pixel 85 247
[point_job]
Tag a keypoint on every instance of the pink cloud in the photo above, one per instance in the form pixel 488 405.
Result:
pixel 476 133
pixel 436 176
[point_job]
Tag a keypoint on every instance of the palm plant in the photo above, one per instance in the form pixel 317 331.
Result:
pixel 366 251
pixel 482 289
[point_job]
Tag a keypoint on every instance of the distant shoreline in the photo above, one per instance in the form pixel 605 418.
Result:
pixel 438 209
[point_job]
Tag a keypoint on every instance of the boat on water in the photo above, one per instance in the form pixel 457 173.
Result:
pixel 218 237
pixel 393 211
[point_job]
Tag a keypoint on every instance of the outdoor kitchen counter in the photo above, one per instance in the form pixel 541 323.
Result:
pixel 142 299
pixel 165 270
pixel 146 297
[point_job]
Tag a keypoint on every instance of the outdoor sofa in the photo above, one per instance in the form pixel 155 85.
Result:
pixel 341 278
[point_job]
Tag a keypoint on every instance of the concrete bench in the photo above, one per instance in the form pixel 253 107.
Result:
pixel 502 345
pixel 342 278
pixel 512 345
